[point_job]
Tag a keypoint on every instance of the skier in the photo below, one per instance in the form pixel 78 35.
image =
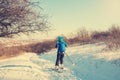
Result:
pixel 60 45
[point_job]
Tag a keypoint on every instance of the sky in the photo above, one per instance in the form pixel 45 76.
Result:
pixel 67 16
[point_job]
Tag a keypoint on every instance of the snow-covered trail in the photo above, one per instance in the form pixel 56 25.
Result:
pixel 87 66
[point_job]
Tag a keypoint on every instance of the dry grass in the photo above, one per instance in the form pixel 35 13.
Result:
pixel 10 51
pixel 114 40
pixel 110 37
pixel 13 50
pixel 42 46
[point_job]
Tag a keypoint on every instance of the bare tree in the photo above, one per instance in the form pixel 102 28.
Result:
pixel 82 33
pixel 21 16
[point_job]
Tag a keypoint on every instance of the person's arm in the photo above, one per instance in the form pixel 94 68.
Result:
pixel 56 45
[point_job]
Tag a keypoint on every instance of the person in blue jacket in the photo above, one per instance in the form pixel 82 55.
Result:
pixel 61 47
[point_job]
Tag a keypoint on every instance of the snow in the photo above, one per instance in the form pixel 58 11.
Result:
pixel 91 63
pixel 21 68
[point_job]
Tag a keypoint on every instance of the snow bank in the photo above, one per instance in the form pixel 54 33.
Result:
pixel 21 68
pixel 109 55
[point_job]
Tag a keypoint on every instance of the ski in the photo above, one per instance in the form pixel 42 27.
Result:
pixel 58 70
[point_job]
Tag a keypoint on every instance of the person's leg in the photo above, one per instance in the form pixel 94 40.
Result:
pixel 61 59
pixel 57 60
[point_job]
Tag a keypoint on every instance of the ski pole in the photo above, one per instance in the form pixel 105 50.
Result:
pixel 69 59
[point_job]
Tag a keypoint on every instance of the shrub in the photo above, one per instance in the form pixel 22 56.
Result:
pixel 42 46
pixel 13 50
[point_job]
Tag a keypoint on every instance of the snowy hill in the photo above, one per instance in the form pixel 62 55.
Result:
pixel 91 63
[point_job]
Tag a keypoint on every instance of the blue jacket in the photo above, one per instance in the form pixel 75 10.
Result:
pixel 61 44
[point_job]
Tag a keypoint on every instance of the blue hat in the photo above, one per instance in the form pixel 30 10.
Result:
pixel 60 38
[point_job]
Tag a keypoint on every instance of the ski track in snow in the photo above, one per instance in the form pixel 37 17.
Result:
pixel 33 67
